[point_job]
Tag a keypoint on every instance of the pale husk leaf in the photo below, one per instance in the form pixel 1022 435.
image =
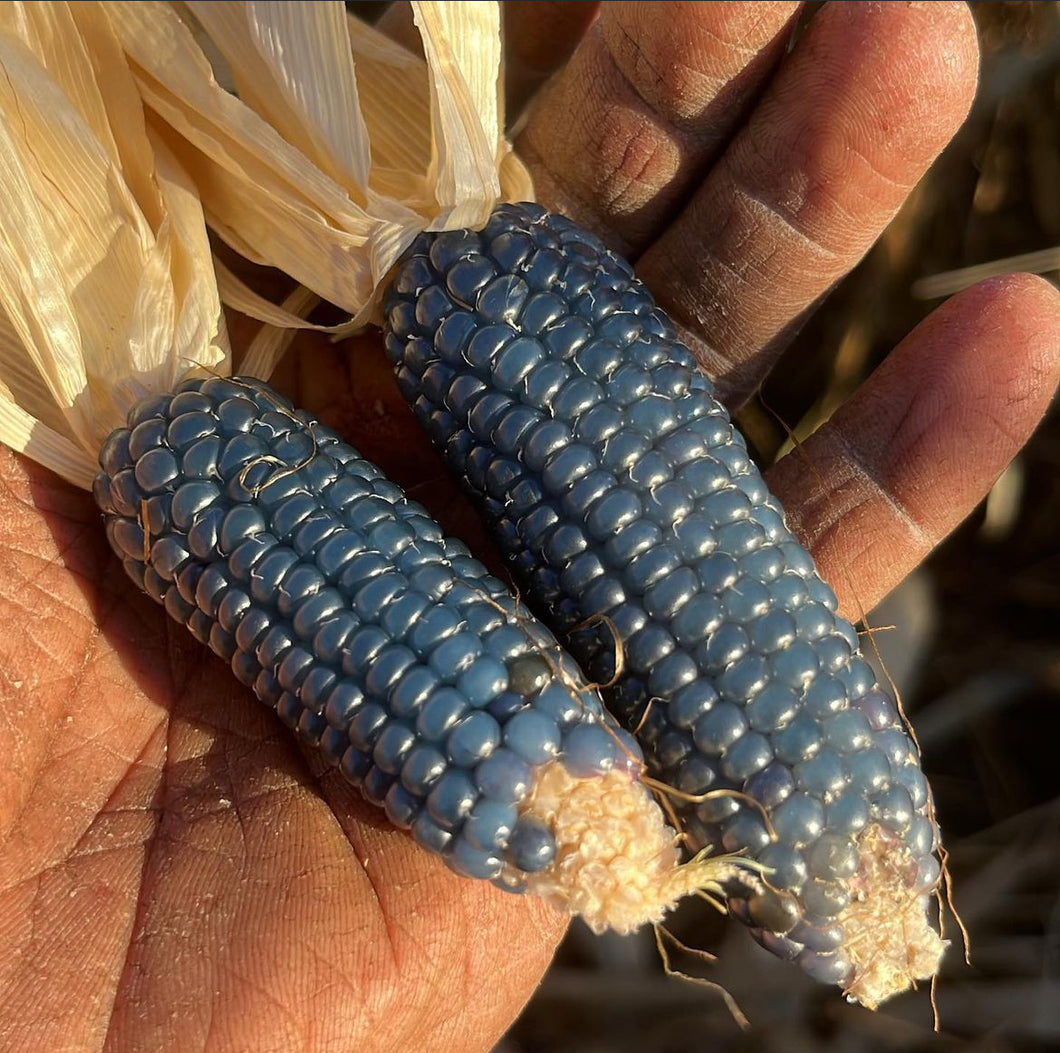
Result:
pixel 341 146
pixel 106 286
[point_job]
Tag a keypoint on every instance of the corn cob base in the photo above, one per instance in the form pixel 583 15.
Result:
pixel 628 506
pixel 387 648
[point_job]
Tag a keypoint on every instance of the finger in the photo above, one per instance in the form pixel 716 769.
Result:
pixel 917 447
pixel 539 36
pixel 866 101
pixel 632 122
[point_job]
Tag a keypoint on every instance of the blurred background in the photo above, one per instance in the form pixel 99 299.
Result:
pixel 975 648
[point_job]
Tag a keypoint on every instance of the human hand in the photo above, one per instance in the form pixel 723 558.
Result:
pixel 175 874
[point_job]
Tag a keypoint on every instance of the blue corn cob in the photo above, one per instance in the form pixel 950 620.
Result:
pixel 627 505
pixel 386 647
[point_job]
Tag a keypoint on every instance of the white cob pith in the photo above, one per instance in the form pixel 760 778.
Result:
pixel 384 645
pixel 861 877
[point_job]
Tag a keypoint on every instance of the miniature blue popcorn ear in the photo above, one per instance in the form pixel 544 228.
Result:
pixel 614 480
pixel 381 643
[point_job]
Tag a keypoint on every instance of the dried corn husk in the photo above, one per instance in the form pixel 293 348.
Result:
pixel 341 146
pixel 107 290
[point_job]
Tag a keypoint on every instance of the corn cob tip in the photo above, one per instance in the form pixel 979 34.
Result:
pixel 889 937
pixel 617 862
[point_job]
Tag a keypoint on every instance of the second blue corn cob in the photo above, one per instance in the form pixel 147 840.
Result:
pixel 627 504
pixel 388 648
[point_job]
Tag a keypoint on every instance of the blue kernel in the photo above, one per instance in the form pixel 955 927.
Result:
pixel 869 769
pixel 490 824
pixel 718 729
pixel 393 745
pixel 252 628
pixel 724 647
pixel 825 898
pixel 750 754
pixel 316 687
pixel 690 703
pixel 623 450
pixel 424 765
pixel 798 741
pixel 240 523
pixel 114 453
pixel 697 619
pixel 330 639
pixel 799 820
pixel 145 437
pixel 387 668
pixel 333 744
pixel 190 500
pixel 376 786
pixel 672 673
pixel 558 704
pixel 672 748
pixel 695 776
pixel 367 724
pixel 787 865
pixel 894 809
pixel 455 654
pixel 822 775
pixel 773 784
pixel 472 862
pixel 548 437
pixel 743 678
pixel 833 857
pixel 430 834
pixel 772 708
pixel 717 573
pixel 531 847
pixel 312 613
pixel 745 832
pixel 533 736
pixel 589 750
pixel 473 739
pixel 452 797
pixel 440 712
pixel 236 414
pixel 361 649
pixel 232 608
pixel 264 564
pixel 877 709
pixel 833 969
pixel 435 626
pixel 817 934
pixel 847 731
pixel 168 556
pixel 504 776
pixel 401 806
pixel 156 469
pixel 187 428
pixel 812 621
pixel 302 581
pixel 775 912
pixel 796 665
pixel 412 690
pixel 848 813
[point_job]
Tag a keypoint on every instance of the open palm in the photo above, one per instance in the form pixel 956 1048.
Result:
pixel 174 874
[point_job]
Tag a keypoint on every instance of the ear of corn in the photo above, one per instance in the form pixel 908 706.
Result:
pixel 387 648
pixel 627 505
